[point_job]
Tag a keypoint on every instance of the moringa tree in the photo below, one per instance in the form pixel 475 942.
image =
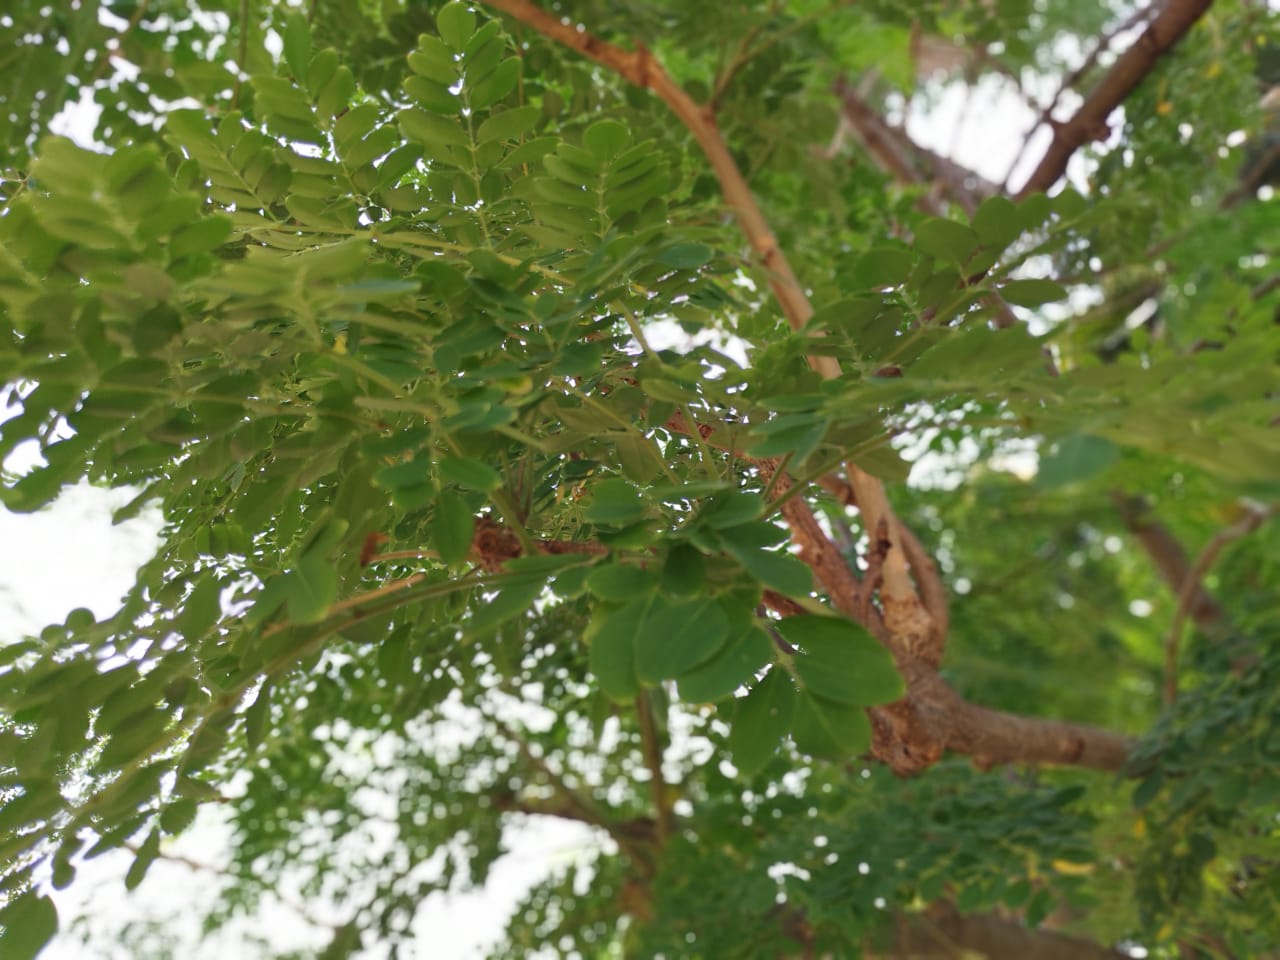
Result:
pixel 532 393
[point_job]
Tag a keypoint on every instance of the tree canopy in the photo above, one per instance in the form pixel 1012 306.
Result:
pixel 613 412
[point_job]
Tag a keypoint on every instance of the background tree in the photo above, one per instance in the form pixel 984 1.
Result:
pixel 362 293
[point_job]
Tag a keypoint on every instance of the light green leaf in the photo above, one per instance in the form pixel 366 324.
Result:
pixel 946 240
pixel 508 125
pixel 297 43
pixel 496 86
pixel 313 587
pixel 685 256
pixel 456 24
pixel 997 222
pixel 606 138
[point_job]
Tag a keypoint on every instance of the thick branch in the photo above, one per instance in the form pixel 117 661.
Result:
pixel 944 932
pixel 1090 121
pixel 908 162
pixel 992 737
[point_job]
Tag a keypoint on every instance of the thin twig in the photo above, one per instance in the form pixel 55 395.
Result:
pixel 653 760
pixel 1255 515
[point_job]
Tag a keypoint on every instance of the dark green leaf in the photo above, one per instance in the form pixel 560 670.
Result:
pixel 452 527
pixel 1032 293
pixel 673 640
pixel 839 661
pixel 760 721
pixel 742 657
pixel 832 731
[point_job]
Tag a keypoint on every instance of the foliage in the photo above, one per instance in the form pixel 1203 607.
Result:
pixel 367 297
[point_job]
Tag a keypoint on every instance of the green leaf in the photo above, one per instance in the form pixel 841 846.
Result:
pixel 313 587
pixel 205 234
pixel 832 731
pixel 514 597
pixel 612 638
pixel 431 130
pixel 615 502
pixel 760 720
pixel 997 222
pixel 496 86
pixel 606 138
pixel 882 268
pixel 469 474
pixel 673 640
pixel 456 24
pixel 685 570
pixel 840 661
pixel 1075 458
pixel 686 256
pixel 775 569
pixel 620 582
pixel 452 527
pixel 1032 293
pixel 30 921
pixel 297 43
pixel 142 860
pixel 508 125
pixel 434 61
pixel 720 676
pixel 946 240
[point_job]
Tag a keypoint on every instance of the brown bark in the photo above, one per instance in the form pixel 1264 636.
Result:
pixel 943 932
pixel 1090 121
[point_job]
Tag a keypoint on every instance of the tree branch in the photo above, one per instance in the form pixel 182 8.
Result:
pixel 653 760
pixel 1104 44
pixel 1090 121
pixel 1170 560
pixel 1255 516
pixel 914 733
pixel 944 932
pixel 906 161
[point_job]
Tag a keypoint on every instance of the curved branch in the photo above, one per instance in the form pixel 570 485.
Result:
pixel 1090 121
